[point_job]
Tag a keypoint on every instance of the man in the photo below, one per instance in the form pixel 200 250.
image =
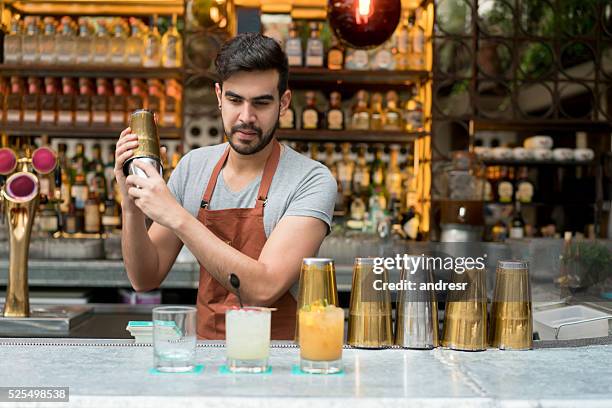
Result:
pixel 250 207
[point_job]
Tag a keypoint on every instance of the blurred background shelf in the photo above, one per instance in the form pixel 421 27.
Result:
pixel 93 71
pixel 355 136
pixel 101 132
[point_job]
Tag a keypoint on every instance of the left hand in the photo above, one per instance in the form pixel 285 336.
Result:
pixel 152 196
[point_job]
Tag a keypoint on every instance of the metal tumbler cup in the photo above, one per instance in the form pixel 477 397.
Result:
pixel 142 123
pixel 511 313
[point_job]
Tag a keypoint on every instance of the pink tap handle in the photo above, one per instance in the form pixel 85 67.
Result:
pixel 8 161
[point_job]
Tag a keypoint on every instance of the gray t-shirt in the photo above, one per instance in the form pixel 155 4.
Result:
pixel 300 187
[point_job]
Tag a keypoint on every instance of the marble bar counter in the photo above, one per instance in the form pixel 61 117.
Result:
pixel 114 373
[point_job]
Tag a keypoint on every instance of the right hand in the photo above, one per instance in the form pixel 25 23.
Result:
pixel 126 145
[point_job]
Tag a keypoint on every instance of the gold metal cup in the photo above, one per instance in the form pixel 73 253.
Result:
pixel 317 283
pixel 465 317
pixel 370 318
pixel 142 124
pixel 20 211
pixel 511 313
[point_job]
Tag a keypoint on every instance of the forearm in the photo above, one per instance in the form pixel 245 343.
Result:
pixel 139 253
pixel 257 286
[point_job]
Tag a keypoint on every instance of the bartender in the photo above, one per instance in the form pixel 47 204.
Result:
pixel 251 207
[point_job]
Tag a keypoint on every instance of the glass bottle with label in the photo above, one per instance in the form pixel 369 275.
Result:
pixel 92 165
pixel 30 46
pixel 101 45
pixel 137 97
pixel 48 102
pixel 360 116
pixel 517 227
pixel 403 44
pixel 413 113
pixel 314 47
pixel 117 102
pixel 382 58
pixel 118 43
pixel 156 99
pixel 311 117
pixel 66 42
pixel 83 102
pixel 335 115
pixel 84 43
pixel 78 162
pixel 97 184
pixel 417 42
pixel 99 103
pixel 357 60
pixel 293 48
pixel 111 219
pixel 79 191
pixel 335 55
pixel 505 187
pixel 13 43
pixel 31 102
pixel 172 46
pixel 392 115
pixel 361 175
pixel 47 50
pixel 48 220
pixel 524 187
pixel 172 111
pixel 92 214
pixel 134 44
pixel 287 120
pixel 345 168
pixel 152 45
pixel 378 168
pixel 14 101
pixel 376 119
pixel 394 175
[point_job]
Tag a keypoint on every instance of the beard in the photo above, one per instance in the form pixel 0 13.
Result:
pixel 256 145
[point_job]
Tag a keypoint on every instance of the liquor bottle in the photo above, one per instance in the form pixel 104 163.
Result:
pixel 311 117
pixel 403 44
pixel 357 60
pixel 287 120
pixel 524 187
pixel 314 47
pixel 109 169
pixel 335 115
pixel 378 168
pixel 152 45
pixel 517 226
pixel 392 116
pixel 79 191
pixel 92 214
pixel 48 102
pixel 79 162
pixel 360 116
pixel 46 46
pixel 376 118
pixel 413 113
pixel 82 102
pixel 65 177
pixel 118 102
pixel 99 103
pixel 137 97
pixel 14 102
pixel 417 42
pixel 345 168
pixel 48 220
pixel 13 43
pixel 293 48
pixel 335 55
pixel 31 102
pixel 394 175
pixel 92 165
pixel 117 44
pixel 505 187
pixel 29 47
pixel 382 58
pixel 361 174
pixel 111 220
pixel 101 45
pixel 134 44
pixel 172 111
pixel 66 43
pixel 172 46
pixel 155 99
pixel 98 183
pixel 84 43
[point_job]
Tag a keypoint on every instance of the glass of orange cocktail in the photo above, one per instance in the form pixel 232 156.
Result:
pixel 321 338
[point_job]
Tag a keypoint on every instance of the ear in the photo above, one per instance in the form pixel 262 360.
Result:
pixel 285 101
pixel 219 92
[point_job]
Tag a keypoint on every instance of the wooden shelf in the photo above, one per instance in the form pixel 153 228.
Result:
pixel 542 125
pixel 312 76
pixel 93 71
pixel 354 136
pixel 537 163
pixel 98 7
pixel 95 132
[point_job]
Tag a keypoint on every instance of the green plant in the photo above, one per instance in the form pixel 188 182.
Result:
pixel 594 262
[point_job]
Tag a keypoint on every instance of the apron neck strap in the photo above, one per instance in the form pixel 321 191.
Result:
pixel 266 180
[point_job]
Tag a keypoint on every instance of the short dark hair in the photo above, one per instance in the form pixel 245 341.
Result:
pixel 252 52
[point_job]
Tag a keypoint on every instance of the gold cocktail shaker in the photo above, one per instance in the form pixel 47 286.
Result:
pixel 370 319
pixel 142 124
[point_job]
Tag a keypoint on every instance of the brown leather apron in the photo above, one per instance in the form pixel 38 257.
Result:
pixel 243 229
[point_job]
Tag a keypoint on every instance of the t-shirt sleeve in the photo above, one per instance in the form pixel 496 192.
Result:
pixel 315 196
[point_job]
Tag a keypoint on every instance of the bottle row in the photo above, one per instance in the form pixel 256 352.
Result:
pixel 405 50
pixel 367 113
pixel 86 102
pixel 92 41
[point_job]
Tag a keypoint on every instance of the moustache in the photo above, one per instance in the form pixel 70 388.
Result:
pixel 239 128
